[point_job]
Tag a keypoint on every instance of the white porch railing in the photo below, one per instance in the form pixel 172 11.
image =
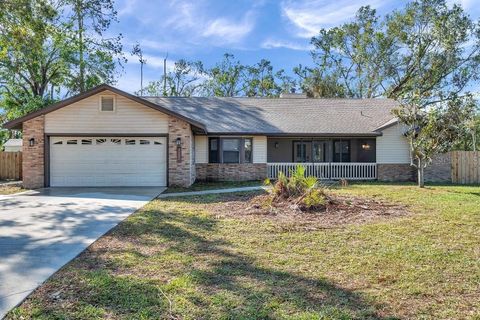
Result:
pixel 327 170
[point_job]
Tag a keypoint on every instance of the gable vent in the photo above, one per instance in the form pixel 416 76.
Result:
pixel 107 104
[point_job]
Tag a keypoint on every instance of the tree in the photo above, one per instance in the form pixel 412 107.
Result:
pixel 437 54
pixel 137 51
pixel 351 60
pixel 185 80
pixel 96 57
pixel 260 80
pixel 32 56
pixel 316 84
pixel 226 78
pixel 436 130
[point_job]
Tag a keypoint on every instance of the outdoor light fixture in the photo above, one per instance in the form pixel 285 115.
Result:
pixel 178 141
pixel 276 145
pixel 365 146
pixel 31 142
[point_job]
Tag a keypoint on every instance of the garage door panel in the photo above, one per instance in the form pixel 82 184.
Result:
pixel 108 161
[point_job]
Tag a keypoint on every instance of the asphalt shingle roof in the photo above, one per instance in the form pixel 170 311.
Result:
pixel 283 115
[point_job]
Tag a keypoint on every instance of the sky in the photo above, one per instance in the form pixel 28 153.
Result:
pixel 277 30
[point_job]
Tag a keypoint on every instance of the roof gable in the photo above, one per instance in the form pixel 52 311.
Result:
pixel 17 123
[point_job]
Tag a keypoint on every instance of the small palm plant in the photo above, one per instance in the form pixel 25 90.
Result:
pixel 302 190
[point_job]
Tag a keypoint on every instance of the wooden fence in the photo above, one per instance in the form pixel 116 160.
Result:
pixel 10 165
pixel 465 167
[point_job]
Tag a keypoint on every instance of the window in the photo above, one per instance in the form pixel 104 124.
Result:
pixel 144 142
pixel 129 141
pixel 58 142
pixel 107 103
pixel 341 151
pixel 71 141
pixel 230 150
pixel 214 150
pixel 157 142
pixel 116 141
pixel 101 141
pixel 247 150
pixel 86 141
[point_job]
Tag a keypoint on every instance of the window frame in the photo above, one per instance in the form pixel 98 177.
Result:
pixel 219 151
pixel 114 103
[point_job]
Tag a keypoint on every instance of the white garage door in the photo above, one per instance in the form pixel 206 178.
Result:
pixel 107 161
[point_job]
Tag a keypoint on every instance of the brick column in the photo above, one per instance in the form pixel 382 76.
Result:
pixel 181 171
pixel 33 156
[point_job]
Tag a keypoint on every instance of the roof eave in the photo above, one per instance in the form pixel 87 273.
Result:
pixel 292 134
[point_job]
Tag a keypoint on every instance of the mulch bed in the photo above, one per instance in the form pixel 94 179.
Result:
pixel 339 211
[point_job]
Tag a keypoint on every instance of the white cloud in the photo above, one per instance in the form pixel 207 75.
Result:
pixel 127 7
pixel 182 15
pixel 309 16
pixel 274 44
pixel 228 30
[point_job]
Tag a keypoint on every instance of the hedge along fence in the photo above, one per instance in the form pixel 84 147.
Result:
pixel 10 165
pixel 465 167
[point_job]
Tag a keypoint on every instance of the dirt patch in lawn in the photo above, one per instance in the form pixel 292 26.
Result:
pixel 338 211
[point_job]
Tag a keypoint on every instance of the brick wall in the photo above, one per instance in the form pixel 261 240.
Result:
pixel 231 171
pixel 33 157
pixel 440 170
pixel 395 172
pixel 181 170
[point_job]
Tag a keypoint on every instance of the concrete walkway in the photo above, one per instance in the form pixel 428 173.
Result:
pixel 215 191
pixel 40 231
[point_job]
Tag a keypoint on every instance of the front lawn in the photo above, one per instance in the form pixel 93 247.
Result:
pixel 181 259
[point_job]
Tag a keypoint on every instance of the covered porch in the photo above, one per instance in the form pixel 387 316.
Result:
pixel 352 158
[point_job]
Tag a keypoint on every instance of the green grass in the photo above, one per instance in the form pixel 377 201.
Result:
pixel 175 259
pixel 200 186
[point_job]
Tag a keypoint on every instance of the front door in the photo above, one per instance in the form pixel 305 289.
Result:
pixel 300 152
pixel 319 149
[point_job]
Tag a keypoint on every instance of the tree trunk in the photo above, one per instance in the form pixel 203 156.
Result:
pixel 420 172
pixel 81 58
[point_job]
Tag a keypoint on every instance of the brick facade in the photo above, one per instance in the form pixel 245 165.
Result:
pixel 395 172
pixel 231 171
pixel 440 170
pixel 181 166
pixel 33 157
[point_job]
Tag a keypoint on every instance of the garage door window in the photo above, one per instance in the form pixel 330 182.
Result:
pixel 116 141
pixel 144 142
pixel 129 141
pixel 86 141
pixel 71 141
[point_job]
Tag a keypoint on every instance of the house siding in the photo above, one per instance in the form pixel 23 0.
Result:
pixel 201 149
pixel 259 149
pixel 392 146
pixel 85 117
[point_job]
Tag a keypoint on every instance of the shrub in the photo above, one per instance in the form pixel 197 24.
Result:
pixel 300 189
pixel 315 199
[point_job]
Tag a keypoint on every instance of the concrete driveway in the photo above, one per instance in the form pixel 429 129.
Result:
pixel 40 231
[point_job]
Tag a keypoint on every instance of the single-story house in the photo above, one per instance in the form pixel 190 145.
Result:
pixel 13 145
pixel 107 137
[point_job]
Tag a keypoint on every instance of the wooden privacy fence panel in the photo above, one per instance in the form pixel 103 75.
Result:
pixel 10 165
pixel 466 167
